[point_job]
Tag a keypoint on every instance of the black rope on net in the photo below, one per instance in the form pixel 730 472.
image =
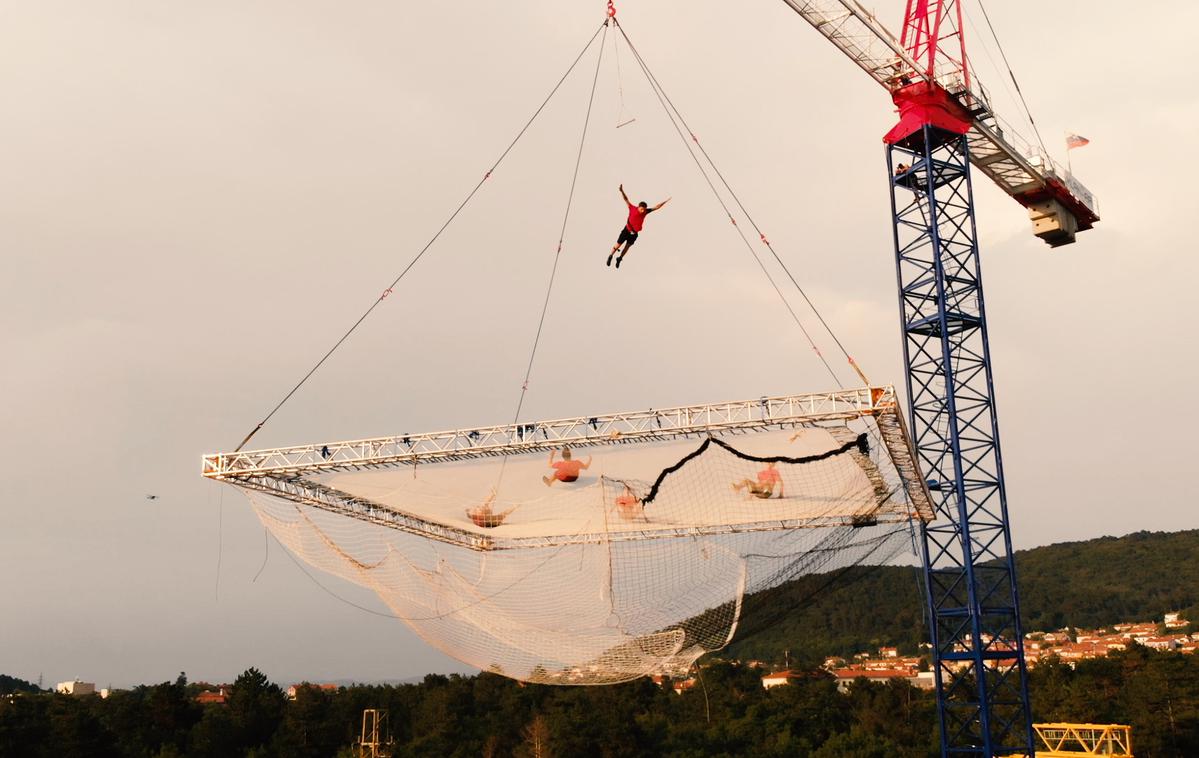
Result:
pixel 861 443
pixel 390 288
pixel 672 113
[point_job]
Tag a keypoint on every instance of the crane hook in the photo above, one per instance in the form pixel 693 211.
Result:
pixel 611 10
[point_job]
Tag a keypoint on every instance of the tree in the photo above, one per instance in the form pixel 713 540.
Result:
pixel 537 739
pixel 256 708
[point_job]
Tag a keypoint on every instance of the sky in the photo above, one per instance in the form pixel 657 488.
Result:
pixel 197 199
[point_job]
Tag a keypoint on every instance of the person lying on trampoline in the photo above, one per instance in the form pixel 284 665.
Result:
pixel 764 487
pixel 565 470
pixel 632 227
pixel 484 516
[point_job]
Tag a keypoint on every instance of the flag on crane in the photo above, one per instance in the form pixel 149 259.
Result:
pixel 1074 140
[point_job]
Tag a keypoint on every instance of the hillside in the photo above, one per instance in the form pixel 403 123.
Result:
pixel 1091 583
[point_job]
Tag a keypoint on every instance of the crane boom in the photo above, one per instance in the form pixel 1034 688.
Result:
pixel 1058 204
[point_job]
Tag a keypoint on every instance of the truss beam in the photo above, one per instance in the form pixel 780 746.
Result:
pixel 290 473
pixel 1021 169
pixel 581 431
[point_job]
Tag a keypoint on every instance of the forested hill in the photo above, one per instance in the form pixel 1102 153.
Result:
pixel 1083 584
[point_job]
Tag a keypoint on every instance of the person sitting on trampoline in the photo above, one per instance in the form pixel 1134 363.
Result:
pixel 632 227
pixel 764 487
pixel 484 516
pixel 565 470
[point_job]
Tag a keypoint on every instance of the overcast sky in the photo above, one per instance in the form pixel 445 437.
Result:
pixel 196 199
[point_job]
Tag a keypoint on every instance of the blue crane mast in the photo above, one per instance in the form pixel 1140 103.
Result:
pixel 946 128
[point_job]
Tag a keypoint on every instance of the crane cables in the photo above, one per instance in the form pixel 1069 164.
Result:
pixel 391 287
pixel 1012 74
pixel 680 125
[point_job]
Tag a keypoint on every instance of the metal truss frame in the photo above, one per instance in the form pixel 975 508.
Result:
pixel 286 472
pixel 579 431
pixel 970 581
pixel 1020 168
pixel 1074 740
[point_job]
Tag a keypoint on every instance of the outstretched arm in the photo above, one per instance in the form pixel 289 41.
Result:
pixel 659 205
pixel 588 463
pixel 553 452
pixel 626 197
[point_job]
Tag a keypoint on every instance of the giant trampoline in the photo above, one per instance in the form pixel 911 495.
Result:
pixel 601 548
pixel 637 567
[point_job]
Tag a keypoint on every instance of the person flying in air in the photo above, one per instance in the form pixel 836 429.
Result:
pixel 764 487
pixel 565 470
pixel 632 227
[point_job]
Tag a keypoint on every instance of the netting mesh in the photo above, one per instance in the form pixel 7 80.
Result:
pixel 638 567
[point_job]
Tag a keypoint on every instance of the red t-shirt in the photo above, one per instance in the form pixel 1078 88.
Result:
pixel 770 476
pixel 567 471
pixel 636 217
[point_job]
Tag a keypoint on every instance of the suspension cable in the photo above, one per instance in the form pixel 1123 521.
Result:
pixel 673 113
pixel 574 179
pixel 388 290
pixel 1012 74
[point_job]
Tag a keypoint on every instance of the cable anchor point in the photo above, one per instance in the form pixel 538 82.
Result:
pixel 611 10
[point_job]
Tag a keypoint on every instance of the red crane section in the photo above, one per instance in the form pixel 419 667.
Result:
pixel 926 71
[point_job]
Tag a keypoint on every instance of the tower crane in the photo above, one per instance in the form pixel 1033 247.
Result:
pixel 946 124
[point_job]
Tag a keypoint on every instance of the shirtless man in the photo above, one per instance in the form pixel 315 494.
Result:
pixel 565 470
pixel 764 487
pixel 632 227
pixel 484 516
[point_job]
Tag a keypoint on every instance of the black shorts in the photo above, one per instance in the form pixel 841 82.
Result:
pixel 626 236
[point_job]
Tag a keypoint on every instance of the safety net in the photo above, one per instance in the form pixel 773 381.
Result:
pixel 607 559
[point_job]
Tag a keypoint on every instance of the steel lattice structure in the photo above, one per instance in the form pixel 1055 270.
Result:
pixel 1077 740
pixel 291 472
pixel 1020 168
pixel 970 576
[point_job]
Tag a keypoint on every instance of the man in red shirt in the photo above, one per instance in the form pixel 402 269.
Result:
pixel 565 470
pixel 632 227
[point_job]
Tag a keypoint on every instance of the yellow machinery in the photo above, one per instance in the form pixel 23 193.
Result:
pixel 1073 740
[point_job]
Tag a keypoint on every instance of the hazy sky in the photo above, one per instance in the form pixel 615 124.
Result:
pixel 196 199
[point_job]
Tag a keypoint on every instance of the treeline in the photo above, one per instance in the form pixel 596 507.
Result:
pixel 729 714
pixel 1086 584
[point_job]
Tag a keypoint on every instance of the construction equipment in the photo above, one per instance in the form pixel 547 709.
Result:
pixel 946 125
pixel 1075 740
pixel 374 740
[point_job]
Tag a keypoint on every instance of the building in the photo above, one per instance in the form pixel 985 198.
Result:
pixel 76 688
pixel 291 691
pixel 847 676
pixel 778 678
pixel 682 685
pixel 218 696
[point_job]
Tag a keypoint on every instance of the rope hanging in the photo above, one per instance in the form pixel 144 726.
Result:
pixel 688 139
pixel 391 287
pixel 574 179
